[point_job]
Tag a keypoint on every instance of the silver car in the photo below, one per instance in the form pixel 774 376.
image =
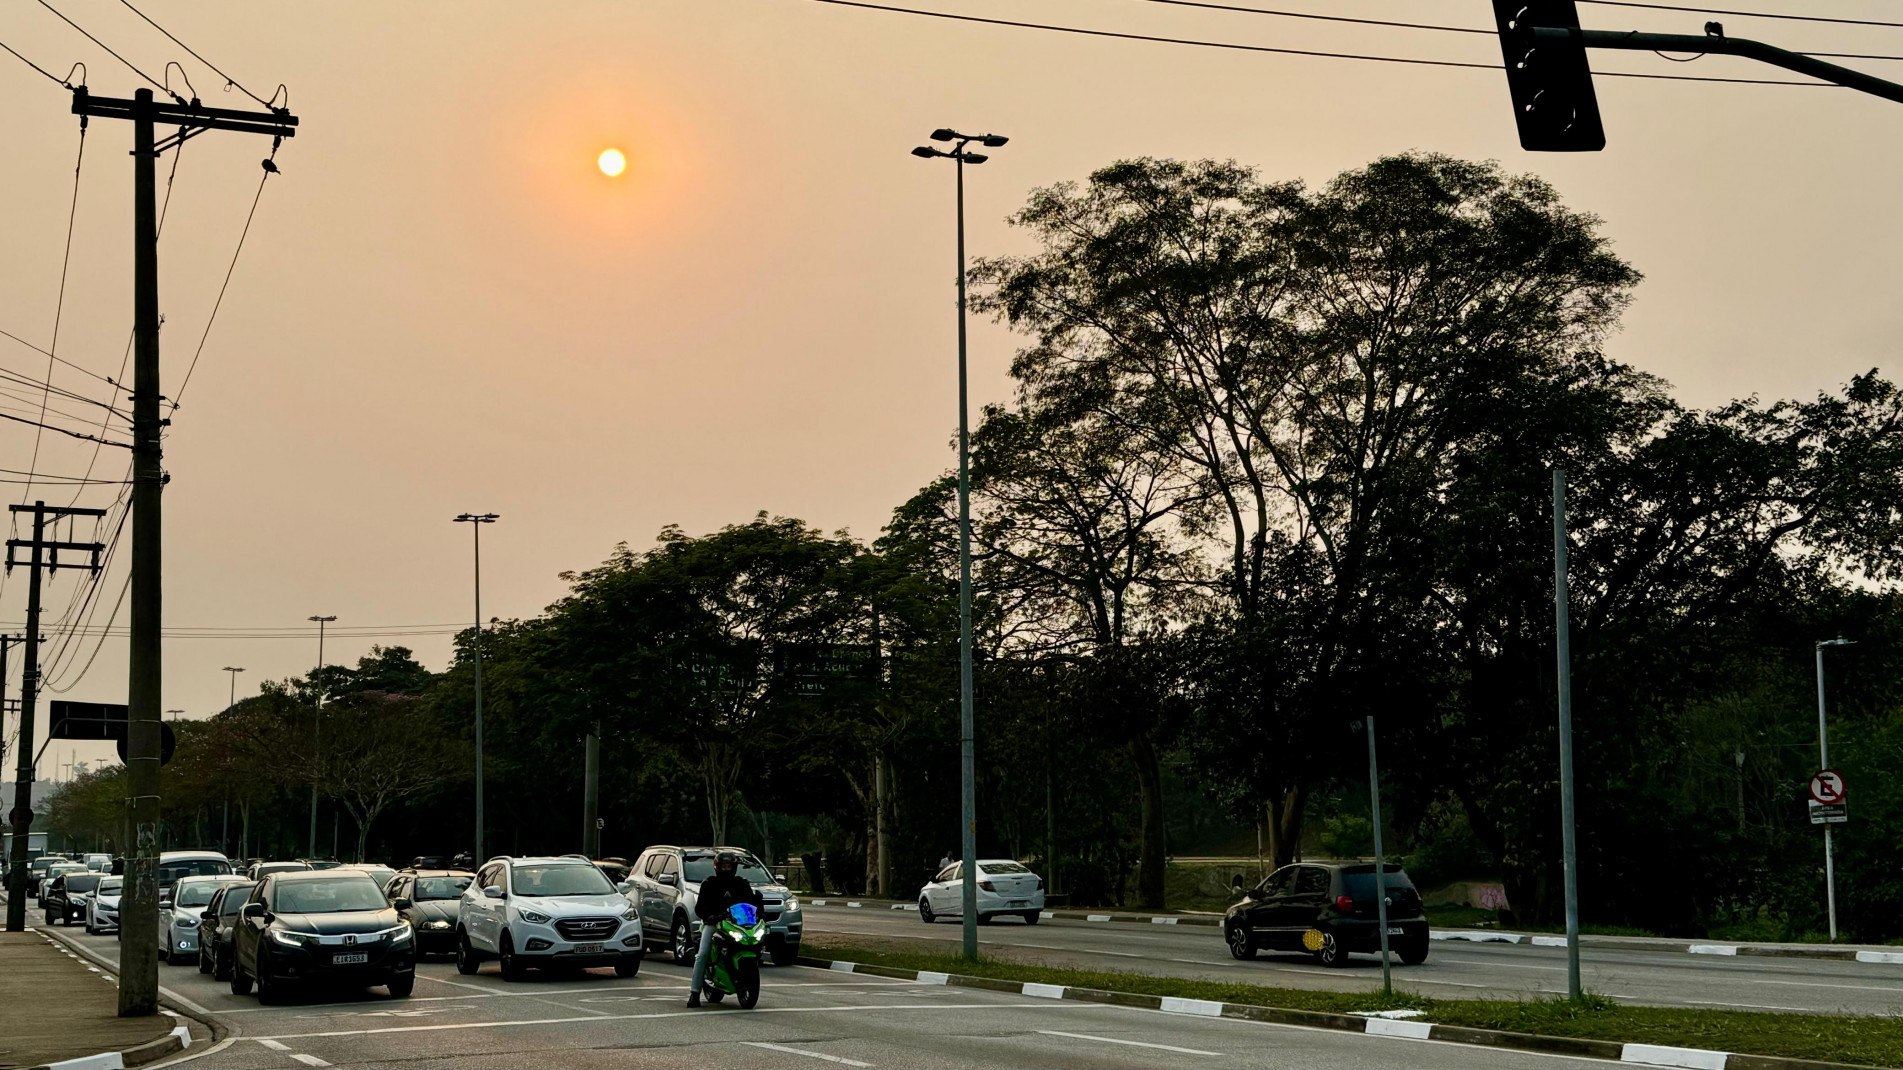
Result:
pixel 179 916
pixel 667 883
pixel 102 909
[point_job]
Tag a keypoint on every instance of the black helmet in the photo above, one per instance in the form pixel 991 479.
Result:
pixel 726 861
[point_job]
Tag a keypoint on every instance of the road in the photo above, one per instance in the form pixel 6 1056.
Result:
pixel 1452 970
pixel 806 1018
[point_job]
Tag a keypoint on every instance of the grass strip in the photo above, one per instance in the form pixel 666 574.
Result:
pixel 1865 1041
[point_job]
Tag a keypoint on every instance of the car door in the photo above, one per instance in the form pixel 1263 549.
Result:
pixel 949 890
pixel 647 886
pixel 481 913
pixel 246 932
pixel 1308 900
pixel 667 893
pixel 1268 898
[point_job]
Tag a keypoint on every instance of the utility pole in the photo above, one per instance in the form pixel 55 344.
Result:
pixel 139 967
pixel 1562 632
pixel 591 794
pixel 475 522
pixel 1380 862
pixel 45 555
pixel 317 725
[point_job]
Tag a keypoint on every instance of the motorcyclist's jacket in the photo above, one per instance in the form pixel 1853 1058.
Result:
pixel 718 893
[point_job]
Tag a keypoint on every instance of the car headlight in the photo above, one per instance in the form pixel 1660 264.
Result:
pixel 792 903
pixel 402 934
pixel 533 918
pixel 187 923
pixel 439 925
pixel 631 914
pixel 288 939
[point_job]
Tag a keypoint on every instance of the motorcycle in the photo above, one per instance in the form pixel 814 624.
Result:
pixel 733 963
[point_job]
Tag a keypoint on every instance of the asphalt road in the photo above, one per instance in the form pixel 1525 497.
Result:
pixel 1453 969
pixel 806 1018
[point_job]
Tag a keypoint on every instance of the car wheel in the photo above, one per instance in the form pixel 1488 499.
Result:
pixel 267 987
pixel 466 960
pixel 221 966
pixel 1414 952
pixel 1331 953
pixel 683 942
pixel 1241 944
pixel 628 966
pixel 512 967
pixel 1032 917
pixel 401 987
pixel 240 981
pixel 925 911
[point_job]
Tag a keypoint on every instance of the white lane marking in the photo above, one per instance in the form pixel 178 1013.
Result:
pixel 308 1060
pixel 1745 1006
pixel 1820 984
pixel 273 1044
pixel 803 1051
pixel 1129 1043
pixel 458 984
pixel 1395 1027
pixel 1207 1008
pixel 1041 1005
pixel 1661 1055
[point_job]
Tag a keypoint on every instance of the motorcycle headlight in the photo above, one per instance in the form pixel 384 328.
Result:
pixel 533 918
pixel 287 938
pixel 792 903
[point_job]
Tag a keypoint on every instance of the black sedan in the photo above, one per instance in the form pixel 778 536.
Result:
pixel 435 899
pixel 316 925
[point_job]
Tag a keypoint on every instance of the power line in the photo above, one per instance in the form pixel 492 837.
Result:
pixel 1747 14
pixel 48 354
pixel 1238 47
pixel 179 394
pixel 50 76
pixel 63 431
pixel 160 86
pixel 59 308
pixel 229 80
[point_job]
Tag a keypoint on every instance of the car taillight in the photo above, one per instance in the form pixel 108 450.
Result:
pixel 987 886
pixel 1345 904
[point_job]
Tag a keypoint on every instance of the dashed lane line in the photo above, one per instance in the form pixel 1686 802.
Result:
pixel 308 1060
pixel 1130 1043
pixel 274 1045
pixel 802 1051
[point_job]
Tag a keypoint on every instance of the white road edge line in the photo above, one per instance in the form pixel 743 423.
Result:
pixel 803 1051
pixel 308 1060
pixel 1662 1055
pixel 1130 1043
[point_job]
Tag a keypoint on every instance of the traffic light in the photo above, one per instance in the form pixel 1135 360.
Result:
pixel 1553 101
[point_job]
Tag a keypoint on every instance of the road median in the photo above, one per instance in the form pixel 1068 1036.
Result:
pixel 1593 1027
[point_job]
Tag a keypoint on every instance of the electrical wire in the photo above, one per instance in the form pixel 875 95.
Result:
pixel 160 86
pixel 59 308
pixel 229 80
pixel 179 394
pixel 1747 14
pixel 50 76
pixel 88 606
pixel 63 431
pixel 47 354
pixel 1238 47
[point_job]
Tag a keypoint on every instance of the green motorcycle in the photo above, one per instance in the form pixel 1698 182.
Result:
pixel 733 962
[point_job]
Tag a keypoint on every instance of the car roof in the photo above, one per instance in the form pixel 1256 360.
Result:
pixel 318 874
pixel 165 856
pixel 211 878
pixel 542 860
pixel 437 873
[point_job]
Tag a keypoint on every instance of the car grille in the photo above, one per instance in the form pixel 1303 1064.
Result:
pixel 771 907
pixel 586 928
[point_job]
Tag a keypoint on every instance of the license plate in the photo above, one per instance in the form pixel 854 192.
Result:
pixel 1016 903
pixel 1395 931
pixel 587 949
pixel 349 957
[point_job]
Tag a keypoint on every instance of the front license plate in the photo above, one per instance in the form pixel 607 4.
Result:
pixel 587 949
pixel 1395 932
pixel 1016 903
pixel 350 957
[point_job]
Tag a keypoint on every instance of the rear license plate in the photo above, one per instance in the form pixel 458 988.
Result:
pixel 1395 931
pixel 350 957
pixel 587 949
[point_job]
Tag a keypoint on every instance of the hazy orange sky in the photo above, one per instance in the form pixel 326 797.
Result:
pixel 443 306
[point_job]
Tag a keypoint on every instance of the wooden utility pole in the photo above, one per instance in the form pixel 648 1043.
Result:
pixel 139 966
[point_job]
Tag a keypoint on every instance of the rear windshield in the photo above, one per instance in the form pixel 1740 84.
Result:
pixel 329 895
pixel 110 885
pixel 428 888
pixel 196 894
pixel 700 866
pixel 1001 867
pixel 170 872
pixel 1360 884
pixel 82 882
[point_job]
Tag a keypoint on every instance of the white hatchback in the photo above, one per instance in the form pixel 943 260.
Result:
pixel 1005 888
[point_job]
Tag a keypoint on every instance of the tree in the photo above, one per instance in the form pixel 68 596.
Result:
pixel 381 749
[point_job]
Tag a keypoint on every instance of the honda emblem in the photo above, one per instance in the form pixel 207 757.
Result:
pixel 350 940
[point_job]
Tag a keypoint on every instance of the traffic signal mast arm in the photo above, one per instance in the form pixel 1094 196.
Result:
pixel 1718 44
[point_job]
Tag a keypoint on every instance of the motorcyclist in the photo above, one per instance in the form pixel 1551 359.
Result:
pixel 718 893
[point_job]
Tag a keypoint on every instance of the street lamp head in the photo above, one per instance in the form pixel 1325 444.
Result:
pixel 476 518
pixel 1837 642
pixel 994 141
pixel 944 134
pixel 323 620
pixel 926 152
pixel 234 668
pixel 973 157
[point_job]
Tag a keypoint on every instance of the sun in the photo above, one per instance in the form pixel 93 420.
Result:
pixel 611 162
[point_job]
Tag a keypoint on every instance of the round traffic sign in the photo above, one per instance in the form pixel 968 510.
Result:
pixel 1827 787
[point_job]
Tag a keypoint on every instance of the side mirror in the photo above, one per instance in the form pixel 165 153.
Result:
pixel 670 879
pixel 624 887
pixel 165 904
pixel 204 915
pixel 253 912
pixel 401 902
pixel 494 891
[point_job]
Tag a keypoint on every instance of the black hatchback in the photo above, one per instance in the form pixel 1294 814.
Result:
pixel 1327 911
pixel 321 925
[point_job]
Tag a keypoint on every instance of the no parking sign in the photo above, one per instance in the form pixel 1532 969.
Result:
pixel 1827 806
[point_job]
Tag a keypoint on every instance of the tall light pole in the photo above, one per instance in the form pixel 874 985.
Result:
pixel 1823 762
pixel 475 522
pixel 234 670
pixel 968 900
pixel 174 714
pixel 316 725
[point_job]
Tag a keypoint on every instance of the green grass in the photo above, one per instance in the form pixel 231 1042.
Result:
pixel 1864 1041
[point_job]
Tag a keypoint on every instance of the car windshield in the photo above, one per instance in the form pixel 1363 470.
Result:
pixel 82 882
pixel 428 888
pixel 700 866
pixel 195 894
pixel 110 885
pixel 1001 867
pixel 574 878
pixel 234 899
pixel 330 895
pixel 65 868
pixel 281 867
pixel 170 872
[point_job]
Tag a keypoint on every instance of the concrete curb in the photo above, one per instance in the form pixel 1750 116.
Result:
pixel 178 1040
pixel 1478 936
pixel 1369 1024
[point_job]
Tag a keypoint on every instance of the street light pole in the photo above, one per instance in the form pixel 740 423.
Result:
pixel 234 671
pixel 968 870
pixel 475 522
pixel 1823 762
pixel 316 725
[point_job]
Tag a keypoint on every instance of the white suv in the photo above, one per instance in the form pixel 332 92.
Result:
pixel 546 912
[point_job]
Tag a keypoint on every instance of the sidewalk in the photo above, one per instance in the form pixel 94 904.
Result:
pixel 56 1006
pixel 1841 952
